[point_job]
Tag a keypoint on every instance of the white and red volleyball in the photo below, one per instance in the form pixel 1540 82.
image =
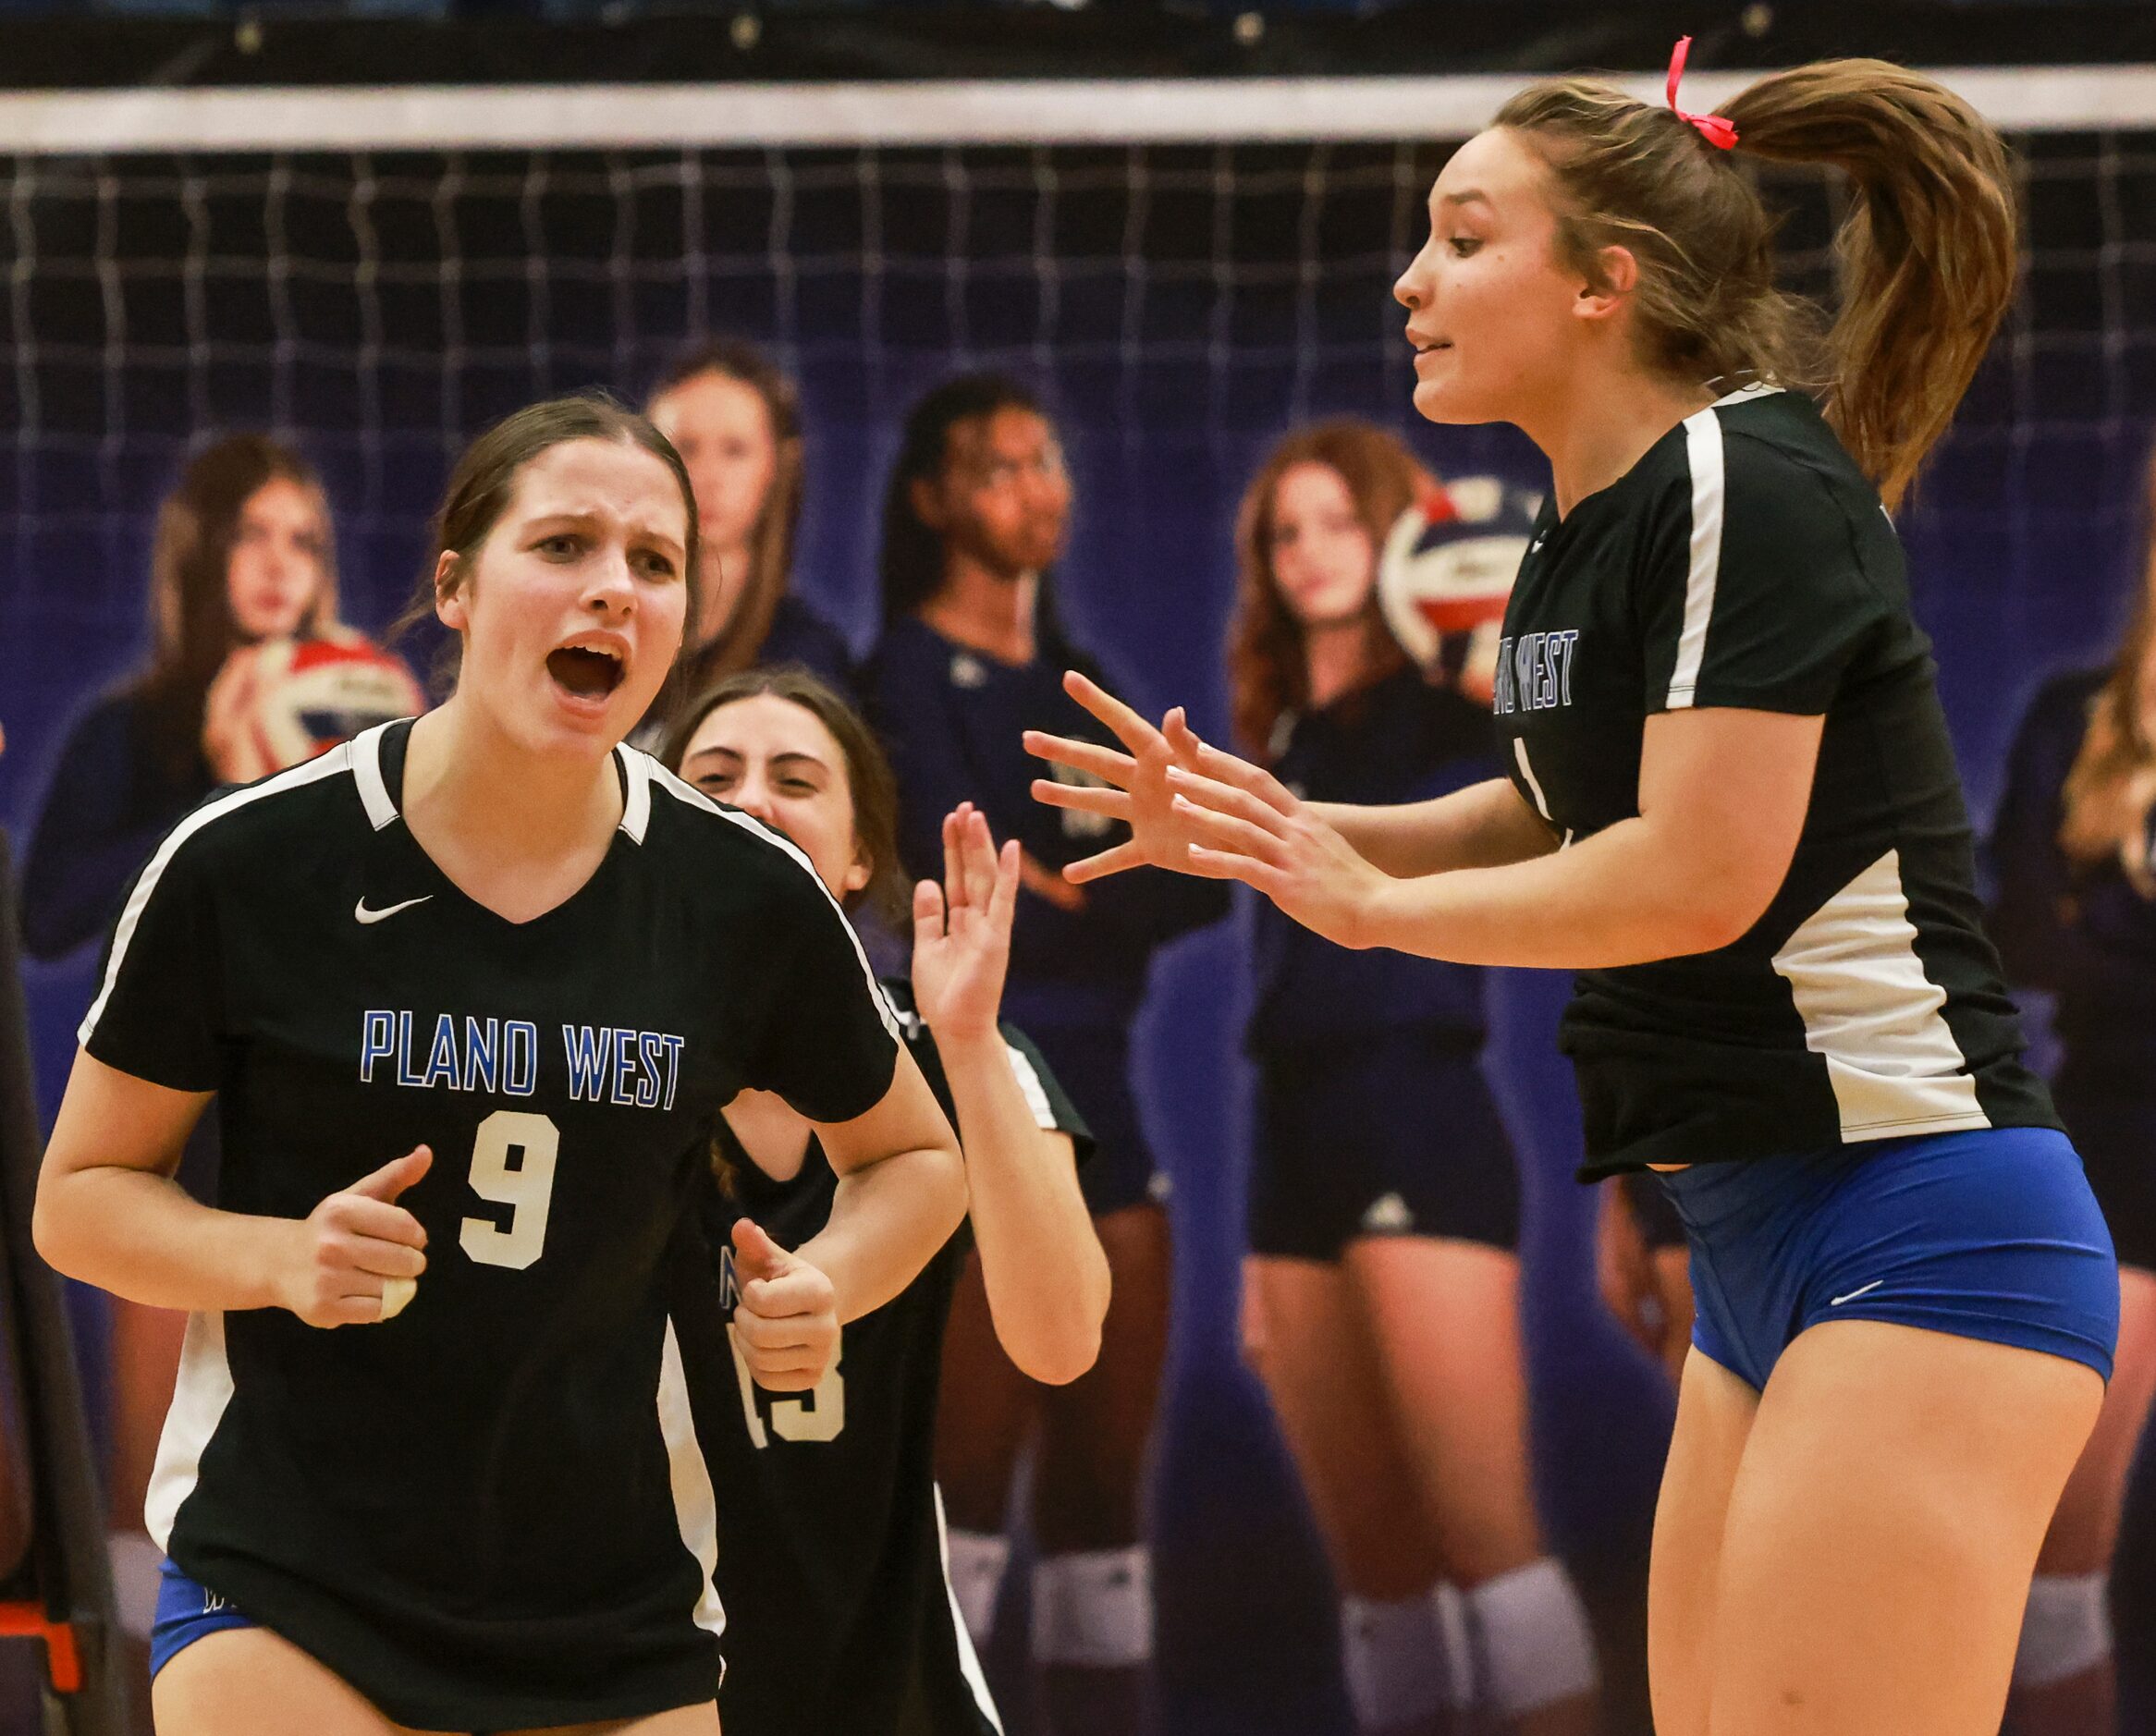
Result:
pixel 284 700
pixel 1444 574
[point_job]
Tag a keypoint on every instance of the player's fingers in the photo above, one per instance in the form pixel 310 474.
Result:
pixel 1110 861
pixel 790 1377
pixel 395 1176
pixel 1085 798
pixel 1130 728
pixel 1212 795
pixel 359 1216
pixel 1082 756
pixel 927 913
pixel 769 1334
pixel 1003 894
pixel 1210 762
pixel 1227 864
pixel 1224 831
pixel 954 888
pixel 383 1259
pixel 801 1292
pixel 757 1258
pixel 977 853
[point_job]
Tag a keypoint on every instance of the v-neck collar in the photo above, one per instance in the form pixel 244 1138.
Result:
pixel 377 762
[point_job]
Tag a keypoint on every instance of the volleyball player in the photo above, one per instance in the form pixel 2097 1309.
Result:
pixel 976 513
pixel 470 992
pixel 840 1615
pixel 2076 914
pixel 735 419
pixel 1381 1290
pixel 1732 807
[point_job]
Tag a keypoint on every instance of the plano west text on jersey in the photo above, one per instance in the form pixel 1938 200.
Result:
pixel 631 1070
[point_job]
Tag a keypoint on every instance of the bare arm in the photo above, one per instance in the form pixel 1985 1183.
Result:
pixel 1485 825
pixel 902 1194
pixel 1722 799
pixel 1047 1276
pixel 109 1213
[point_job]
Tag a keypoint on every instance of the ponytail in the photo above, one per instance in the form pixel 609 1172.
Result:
pixel 1927 252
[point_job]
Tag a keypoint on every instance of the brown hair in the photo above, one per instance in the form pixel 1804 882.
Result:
pixel 737 641
pixel 191 628
pixel 869 778
pixel 485 481
pixel 1927 252
pixel 2103 815
pixel 1267 673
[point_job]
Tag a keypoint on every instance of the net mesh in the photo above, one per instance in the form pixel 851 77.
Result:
pixel 1180 304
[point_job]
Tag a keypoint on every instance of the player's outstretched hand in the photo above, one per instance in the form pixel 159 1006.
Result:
pixel 786 1320
pixel 962 929
pixel 358 1255
pixel 1132 787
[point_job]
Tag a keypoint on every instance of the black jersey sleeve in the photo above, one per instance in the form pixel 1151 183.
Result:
pixel 1758 584
pixel 1051 1106
pixel 160 985
pixel 830 1042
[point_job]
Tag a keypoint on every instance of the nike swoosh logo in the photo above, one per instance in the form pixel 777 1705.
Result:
pixel 383 915
pixel 1835 1302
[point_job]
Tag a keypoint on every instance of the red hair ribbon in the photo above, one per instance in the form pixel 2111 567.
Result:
pixel 1718 131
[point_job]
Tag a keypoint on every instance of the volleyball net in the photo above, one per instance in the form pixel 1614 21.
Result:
pixel 379 272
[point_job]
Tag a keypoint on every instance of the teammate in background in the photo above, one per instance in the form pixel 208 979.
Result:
pixel 1381 1292
pixel 1733 808
pixel 498 945
pixel 2076 914
pixel 735 419
pixel 976 511
pixel 243 561
pixel 840 1615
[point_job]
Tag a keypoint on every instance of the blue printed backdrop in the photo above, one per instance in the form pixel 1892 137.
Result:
pixel 1180 307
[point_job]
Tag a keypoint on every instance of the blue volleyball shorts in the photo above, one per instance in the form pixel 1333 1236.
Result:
pixel 1990 1235
pixel 186 1610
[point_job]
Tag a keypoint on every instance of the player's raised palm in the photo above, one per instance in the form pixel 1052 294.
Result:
pixel 1136 790
pixel 962 929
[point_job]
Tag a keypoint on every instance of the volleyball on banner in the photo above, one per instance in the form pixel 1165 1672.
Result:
pixel 287 700
pixel 1446 570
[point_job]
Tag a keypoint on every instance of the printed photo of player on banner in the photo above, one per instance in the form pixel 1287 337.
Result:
pixel 1078 871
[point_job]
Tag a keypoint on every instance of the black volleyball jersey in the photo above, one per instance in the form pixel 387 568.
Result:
pixel 489 1512
pixel 1745 561
pixel 830 1538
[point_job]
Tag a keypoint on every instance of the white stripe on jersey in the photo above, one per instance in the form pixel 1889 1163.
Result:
pixel 366 750
pixel 336 762
pixel 1702 454
pixel 1029 1085
pixel 1534 783
pixel 696 1503
pixel 636 770
pixel 665 780
pixel 1869 1009
pixel 199 1398
pixel 969 1660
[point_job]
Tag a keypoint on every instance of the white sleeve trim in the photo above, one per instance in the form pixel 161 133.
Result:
pixel 334 764
pixel 1703 454
pixel 1034 1093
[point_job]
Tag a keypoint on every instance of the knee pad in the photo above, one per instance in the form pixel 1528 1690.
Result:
pixel 1535 1643
pixel 974 1562
pixel 1406 1660
pixel 1093 1608
pixel 136 1578
pixel 2064 1631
